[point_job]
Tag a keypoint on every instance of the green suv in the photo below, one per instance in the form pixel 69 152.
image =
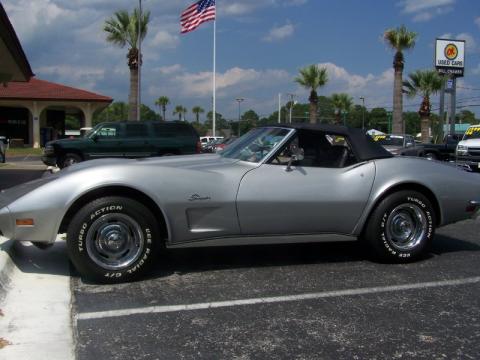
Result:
pixel 129 139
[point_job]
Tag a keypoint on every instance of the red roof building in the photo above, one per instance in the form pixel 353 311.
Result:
pixel 35 110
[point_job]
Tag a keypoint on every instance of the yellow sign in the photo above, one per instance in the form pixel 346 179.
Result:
pixel 379 137
pixel 451 51
pixel 472 130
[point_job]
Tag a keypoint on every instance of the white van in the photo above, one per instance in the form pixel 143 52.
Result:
pixel 204 140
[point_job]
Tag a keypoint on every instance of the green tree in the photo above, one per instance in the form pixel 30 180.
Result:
pixel 162 103
pixel 423 83
pixel 122 30
pixel 412 122
pixel 148 114
pixel 180 111
pixel 378 119
pixel 311 78
pixel 399 39
pixel 197 110
pixel 342 104
pixel 466 117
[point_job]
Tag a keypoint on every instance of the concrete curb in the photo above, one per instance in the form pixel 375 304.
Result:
pixel 6 266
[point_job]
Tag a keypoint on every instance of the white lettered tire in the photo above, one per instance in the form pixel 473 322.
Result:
pixel 113 239
pixel 401 227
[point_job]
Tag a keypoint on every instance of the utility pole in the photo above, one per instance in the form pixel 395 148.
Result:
pixel 279 107
pixel 363 112
pixel 239 100
pixel 292 96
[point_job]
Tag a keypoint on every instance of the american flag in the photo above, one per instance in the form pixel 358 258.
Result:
pixel 196 14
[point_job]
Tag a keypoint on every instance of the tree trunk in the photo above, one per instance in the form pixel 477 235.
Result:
pixel 398 126
pixel 133 96
pixel 425 128
pixel 163 110
pixel 313 106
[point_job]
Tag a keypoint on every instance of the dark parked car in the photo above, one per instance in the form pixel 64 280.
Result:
pixel 3 143
pixel 444 151
pixel 125 139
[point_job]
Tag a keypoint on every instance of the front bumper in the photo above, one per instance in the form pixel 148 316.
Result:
pixel 50 160
pixel 6 223
pixel 470 162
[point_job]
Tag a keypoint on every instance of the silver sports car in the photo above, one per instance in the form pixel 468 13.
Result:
pixel 276 184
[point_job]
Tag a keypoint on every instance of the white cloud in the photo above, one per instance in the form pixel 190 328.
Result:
pixel 168 70
pixel 164 39
pixel 477 21
pixel 425 10
pixel 79 76
pixel 280 33
pixel 235 79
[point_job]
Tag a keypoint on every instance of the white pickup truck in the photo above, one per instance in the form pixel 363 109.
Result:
pixel 468 149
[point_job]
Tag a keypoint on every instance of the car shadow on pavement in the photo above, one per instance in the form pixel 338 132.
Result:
pixel 443 244
pixel 30 259
pixel 236 257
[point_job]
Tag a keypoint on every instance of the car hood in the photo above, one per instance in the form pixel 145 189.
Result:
pixel 470 142
pixel 392 149
pixel 194 162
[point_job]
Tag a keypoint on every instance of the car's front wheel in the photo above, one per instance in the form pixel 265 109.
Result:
pixel 401 227
pixel 69 159
pixel 113 239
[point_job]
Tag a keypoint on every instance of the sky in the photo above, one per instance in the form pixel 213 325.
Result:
pixel 261 45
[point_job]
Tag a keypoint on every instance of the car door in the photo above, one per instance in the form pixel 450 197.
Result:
pixel 304 199
pixel 107 142
pixel 136 142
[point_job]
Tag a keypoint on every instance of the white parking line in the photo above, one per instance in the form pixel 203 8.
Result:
pixel 275 299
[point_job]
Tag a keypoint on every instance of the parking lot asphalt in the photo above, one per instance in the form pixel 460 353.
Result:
pixel 303 301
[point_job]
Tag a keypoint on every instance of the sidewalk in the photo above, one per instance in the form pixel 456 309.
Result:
pixel 24 162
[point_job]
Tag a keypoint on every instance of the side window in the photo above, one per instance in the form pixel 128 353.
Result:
pixel 108 131
pixel 320 150
pixel 136 130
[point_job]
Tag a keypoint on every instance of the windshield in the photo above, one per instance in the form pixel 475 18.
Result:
pixel 389 140
pixel 472 133
pixel 255 145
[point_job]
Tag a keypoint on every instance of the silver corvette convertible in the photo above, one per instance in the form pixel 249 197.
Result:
pixel 276 184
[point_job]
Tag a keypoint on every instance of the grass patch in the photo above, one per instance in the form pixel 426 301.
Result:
pixel 23 152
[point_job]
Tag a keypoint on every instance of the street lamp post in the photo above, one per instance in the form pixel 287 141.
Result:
pixel 363 112
pixel 292 96
pixel 239 100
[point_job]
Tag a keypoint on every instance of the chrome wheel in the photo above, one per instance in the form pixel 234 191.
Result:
pixel 115 241
pixel 406 226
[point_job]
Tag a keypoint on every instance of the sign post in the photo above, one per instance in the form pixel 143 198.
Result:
pixel 449 61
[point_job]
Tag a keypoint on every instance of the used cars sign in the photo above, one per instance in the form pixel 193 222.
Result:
pixel 450 56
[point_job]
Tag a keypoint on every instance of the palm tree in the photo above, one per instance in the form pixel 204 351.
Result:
pixel 312 77
pixel 423 83
pixel 197 110
pixel 122 30
pixel 399 39
pixel 180 110
pixel 342 104
pixel 162 102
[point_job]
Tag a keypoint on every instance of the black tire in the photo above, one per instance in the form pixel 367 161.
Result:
pixel 401 227
pixel 69 159
pixel 119 227
pixel 431 156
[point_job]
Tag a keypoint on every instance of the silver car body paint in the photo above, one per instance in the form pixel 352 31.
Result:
pixel 210 200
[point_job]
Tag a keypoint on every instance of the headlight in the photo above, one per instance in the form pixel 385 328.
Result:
pixel 462 150
pixel 49 150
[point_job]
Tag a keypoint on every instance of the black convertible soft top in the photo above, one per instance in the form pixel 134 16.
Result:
pixel 363 145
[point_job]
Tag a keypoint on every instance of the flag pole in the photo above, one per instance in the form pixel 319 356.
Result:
pixel 139 60
pixel 214 72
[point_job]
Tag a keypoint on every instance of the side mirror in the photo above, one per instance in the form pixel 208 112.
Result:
pixel 297 154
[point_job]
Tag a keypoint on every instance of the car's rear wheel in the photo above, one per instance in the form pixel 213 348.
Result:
pixel 69 159
pixel 113 239
pixel 401 227
pixel 430 156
